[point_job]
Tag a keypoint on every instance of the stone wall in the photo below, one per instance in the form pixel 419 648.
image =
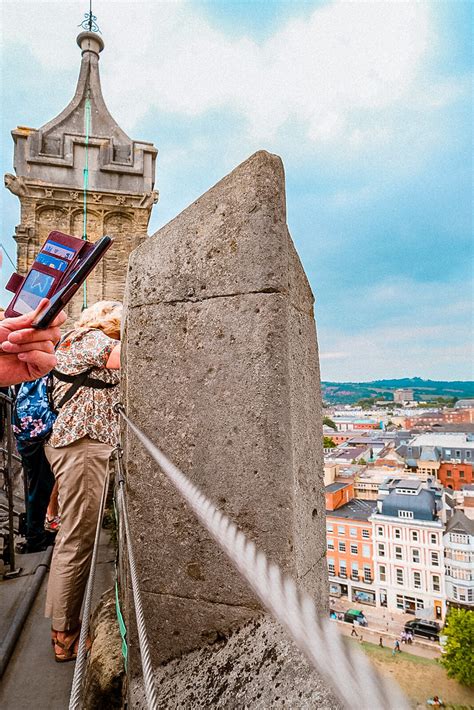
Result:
pixel 221 371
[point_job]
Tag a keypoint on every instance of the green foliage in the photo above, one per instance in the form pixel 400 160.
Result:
pixel 329 422
pixel 351 392
pixel 328 443
pixel 362 462
pixel 458 656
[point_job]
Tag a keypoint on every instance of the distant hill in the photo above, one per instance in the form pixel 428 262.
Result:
pixel 351 392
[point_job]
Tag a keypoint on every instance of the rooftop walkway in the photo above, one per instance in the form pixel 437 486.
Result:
pixel 33 679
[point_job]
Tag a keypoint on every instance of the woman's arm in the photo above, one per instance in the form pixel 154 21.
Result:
pixel 113 363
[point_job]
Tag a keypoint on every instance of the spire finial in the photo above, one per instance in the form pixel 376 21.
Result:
pixel 89 23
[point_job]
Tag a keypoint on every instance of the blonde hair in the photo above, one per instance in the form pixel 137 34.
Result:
pixel 105 315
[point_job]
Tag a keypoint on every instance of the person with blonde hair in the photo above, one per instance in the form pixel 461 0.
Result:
pixel 83 438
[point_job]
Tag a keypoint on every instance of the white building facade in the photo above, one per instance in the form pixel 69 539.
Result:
pixel 408 550
pixel 459 561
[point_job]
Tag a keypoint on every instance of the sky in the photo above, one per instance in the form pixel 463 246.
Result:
pixel 370 106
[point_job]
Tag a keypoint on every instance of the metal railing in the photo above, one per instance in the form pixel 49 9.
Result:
pixel 347 670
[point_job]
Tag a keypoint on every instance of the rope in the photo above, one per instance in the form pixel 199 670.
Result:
pixel 76 688
pixel 353 679
pixel 148 678
pixel 87 121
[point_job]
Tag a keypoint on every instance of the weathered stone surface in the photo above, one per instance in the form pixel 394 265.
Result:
pixel 105 671
pixel 256 667
pixel 221 371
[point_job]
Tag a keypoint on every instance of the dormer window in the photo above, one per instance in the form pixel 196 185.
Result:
pixel 408 514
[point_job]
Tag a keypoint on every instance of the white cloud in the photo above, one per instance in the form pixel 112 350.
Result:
pixel 330 73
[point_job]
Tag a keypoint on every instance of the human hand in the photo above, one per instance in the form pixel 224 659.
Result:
pixel 27 353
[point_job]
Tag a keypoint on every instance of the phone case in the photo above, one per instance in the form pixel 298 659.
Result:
pixel 57 258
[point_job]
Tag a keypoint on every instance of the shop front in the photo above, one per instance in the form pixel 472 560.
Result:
pixel 363 596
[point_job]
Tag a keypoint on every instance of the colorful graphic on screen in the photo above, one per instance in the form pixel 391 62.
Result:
pixel 36 287
pixel 52 262
pixel 59 250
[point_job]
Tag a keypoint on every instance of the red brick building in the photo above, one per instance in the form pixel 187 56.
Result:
pixel 455 475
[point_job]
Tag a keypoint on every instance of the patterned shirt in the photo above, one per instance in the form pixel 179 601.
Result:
pixel 89 412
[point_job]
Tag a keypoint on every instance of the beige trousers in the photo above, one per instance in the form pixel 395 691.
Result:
pixel 80 470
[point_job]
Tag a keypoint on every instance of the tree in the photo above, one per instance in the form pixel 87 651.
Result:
pixel 329 422
pixel 328 443
pixel 458 656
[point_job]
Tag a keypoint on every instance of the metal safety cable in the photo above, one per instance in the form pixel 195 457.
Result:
pixel 352 677
pixel 148 678
pixel 87 122
pixel 76 688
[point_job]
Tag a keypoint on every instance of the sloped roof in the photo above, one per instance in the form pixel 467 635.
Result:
pixel 460 523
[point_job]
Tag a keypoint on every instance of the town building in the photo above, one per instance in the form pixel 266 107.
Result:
pixel 459 561
pixel 446 457
pixel 350 551
pixel 403 395
pixel 407 530
pixel 446 416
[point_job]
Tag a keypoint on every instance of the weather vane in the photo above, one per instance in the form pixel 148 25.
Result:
pixel 90 21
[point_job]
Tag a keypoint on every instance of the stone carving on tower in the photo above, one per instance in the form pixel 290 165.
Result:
pixel 49 163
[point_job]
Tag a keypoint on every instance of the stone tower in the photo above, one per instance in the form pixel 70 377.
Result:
pixel 49 163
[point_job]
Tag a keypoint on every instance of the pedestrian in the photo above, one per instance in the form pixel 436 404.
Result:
pixel 354 632
pixel 381 642
pixel 83 438
pixel 403 637
pixel 40 483
pixel 410 637
pixel 396 648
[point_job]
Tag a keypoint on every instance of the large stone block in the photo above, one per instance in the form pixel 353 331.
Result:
pixel 221 371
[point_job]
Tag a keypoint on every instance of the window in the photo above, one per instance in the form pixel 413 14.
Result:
pixel 436 583
pixel 330 544
pixel 458 454
pixel 366 551
pixel 354 549
pixel 414 535
pixel 342 570
pixel 331 567
pixel 382 573
pixel 447 452
pixel 381 549
pixel 435 559
pixel 397 533
pixel 380 531
pixel 365 534
pixel 405 514
pixel 433 538
pixel 399 576
pixel 470 595
pixel 417 580
pixel 329 527
pixel 398 553
pixel 455 592
pixel 467 454
pixel 342 547
pixel 415 555
pixel 354 570
pixel 341 529
pixel 457 537
pixel 367 574
pixel 449 473
pixel 353 532
pixel 461 474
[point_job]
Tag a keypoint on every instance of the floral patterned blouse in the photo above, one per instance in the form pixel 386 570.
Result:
pixel 90 411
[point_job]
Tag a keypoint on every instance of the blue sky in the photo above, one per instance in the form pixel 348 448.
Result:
pixel 370 106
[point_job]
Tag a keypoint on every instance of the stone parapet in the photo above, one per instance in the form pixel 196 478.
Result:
pixel 221 371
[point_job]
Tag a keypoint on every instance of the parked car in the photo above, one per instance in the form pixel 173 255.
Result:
pixel 420 627
pixel 354 616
